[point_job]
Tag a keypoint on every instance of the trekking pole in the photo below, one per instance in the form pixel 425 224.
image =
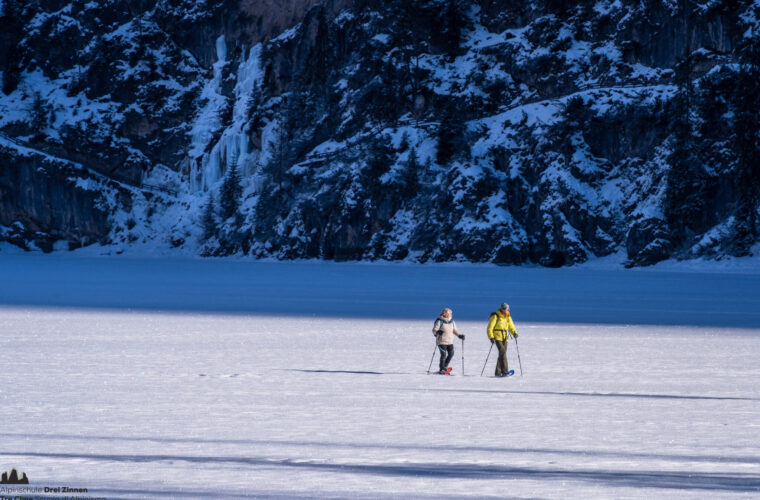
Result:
pixel 518 354
pixel 432 358
pixel 484 364
pixel 463 357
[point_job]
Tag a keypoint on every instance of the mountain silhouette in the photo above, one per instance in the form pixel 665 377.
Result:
pixel 13 478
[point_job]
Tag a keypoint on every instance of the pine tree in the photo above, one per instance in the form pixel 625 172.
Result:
pixel 747 145
pixel 209 219
pixel 576 113
pixel 231 192
pixel 40 115
pixel 686 180
pixel 318 63
pixel 404 144
pixel 411 179
pixel 379 157
pixel 450 135
pixel 13 21
pixel 282 156
pixel 452 24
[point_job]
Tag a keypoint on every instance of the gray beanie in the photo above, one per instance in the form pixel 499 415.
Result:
pixel 504 307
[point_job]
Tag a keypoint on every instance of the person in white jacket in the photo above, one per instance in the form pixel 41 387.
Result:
pixel 444 329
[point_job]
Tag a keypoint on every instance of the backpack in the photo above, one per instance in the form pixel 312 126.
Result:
pixel 443 321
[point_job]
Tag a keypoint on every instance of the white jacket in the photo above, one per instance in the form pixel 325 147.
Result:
pixel 449 329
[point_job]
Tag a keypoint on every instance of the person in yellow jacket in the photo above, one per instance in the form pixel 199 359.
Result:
pixel 500 325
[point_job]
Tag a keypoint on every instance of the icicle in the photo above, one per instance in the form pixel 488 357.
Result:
pixel 221 48
pixel 234 141
pixel 211 170
pixel 195 182
pixel 244 142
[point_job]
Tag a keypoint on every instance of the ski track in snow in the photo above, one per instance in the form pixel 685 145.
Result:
pixel 109 384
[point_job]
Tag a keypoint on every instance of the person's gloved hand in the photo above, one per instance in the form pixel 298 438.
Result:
pixel 462 336
pixel 514 335
pixel 492 341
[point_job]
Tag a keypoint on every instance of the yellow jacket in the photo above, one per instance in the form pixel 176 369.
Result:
pixel 498 325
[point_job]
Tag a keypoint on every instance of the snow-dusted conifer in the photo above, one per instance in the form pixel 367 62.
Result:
pixel 411 180
pixel 685 199
pixel 452 24
pixel 404 144
pixel 380 157
pixel 450 132
pixel 747 146
pixel 231 191
pixel 40 115
pixel 209 218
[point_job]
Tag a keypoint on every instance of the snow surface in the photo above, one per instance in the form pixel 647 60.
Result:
pixel 142 378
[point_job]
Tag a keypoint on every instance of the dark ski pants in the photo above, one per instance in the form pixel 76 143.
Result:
pixel 447 352
pixel 502 366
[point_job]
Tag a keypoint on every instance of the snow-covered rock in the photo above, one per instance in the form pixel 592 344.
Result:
pixel 501 131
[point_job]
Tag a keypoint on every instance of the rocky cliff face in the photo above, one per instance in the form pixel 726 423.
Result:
pixel 49 199
pixel 491 130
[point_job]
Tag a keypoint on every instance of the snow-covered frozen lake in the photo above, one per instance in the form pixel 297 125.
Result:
pixel 232 379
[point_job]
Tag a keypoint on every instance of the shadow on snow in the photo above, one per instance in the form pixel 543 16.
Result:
pixel 635 479
pixel 351 372
pixel 599 394
pixel 268 495
pixel 401 447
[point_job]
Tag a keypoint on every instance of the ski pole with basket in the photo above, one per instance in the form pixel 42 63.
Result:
pixel 518 354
